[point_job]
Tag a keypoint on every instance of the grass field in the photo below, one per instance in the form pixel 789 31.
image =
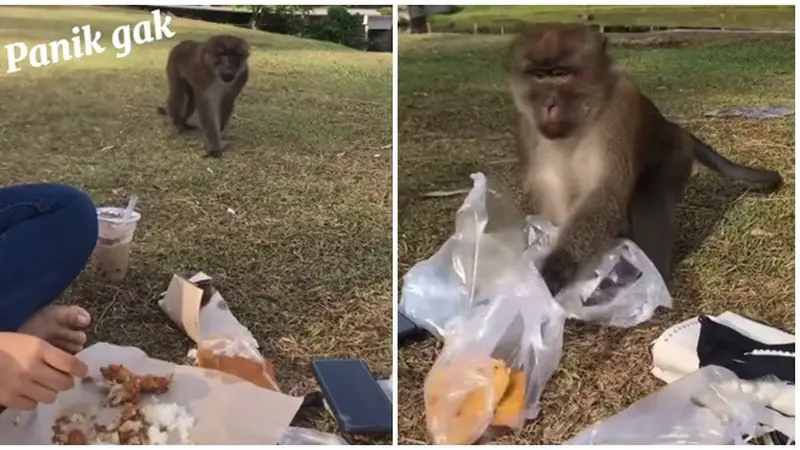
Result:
pixel 736 249
pixel 769 17
pixel 305 256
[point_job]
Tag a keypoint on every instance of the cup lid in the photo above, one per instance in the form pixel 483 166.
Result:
pixel 115 215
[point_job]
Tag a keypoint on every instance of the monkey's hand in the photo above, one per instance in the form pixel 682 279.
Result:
pixel 558 270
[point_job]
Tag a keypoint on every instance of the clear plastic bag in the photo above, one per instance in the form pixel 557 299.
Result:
pixel 711 406
pixel 489 235
pixel 308 436
pixel 622 288
pixel 386 387
pixel 498 356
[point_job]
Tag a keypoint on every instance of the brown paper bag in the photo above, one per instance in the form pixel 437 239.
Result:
pixel 224 344
pixel 181 303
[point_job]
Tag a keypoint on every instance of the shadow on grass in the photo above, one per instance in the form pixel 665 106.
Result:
pixel 707 200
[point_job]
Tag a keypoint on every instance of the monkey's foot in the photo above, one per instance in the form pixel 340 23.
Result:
pixel 62 326
pixel 184 127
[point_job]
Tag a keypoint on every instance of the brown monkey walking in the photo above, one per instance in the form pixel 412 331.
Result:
pixel 209 76
pixel 598 158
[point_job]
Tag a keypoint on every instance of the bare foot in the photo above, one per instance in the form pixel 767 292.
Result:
pixel 61 326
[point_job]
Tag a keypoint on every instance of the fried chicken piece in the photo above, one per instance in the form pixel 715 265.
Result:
pixel 129 412
pixel 126 387
pixel 116 373
pixel 76 437
pixel 58 436
pixel 152 384
pixel 72 437
pixel 125 393
pixel 132 428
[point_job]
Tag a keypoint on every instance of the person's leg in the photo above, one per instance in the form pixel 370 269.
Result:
pixel 47 234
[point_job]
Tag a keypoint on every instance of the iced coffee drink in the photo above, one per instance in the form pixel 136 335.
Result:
pixel 115 234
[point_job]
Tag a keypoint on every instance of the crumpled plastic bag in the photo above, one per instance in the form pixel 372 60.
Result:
pixel 710 406
pixel 497 358
pixel 622 289
pixel 768 112
pixel 309 436
pixel 490 234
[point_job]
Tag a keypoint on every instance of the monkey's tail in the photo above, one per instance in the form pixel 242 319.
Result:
pixel 161 110
pixel 762 178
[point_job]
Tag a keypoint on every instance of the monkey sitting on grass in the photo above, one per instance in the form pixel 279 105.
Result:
pixel 597 157
pixel 209 76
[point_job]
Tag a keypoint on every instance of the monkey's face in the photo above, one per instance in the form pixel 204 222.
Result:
pixel 226 56
pixel 557 74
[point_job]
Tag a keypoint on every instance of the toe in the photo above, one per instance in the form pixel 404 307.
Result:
pixel 68 346
pixel 74 317
pixel 69 335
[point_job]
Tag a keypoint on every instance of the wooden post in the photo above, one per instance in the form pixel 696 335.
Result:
pixel 474 27
pixel 502 30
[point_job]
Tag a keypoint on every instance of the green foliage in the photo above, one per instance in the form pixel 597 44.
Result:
pixel 284 19
pixel 385 11
pixel 338 26
pixel 462 18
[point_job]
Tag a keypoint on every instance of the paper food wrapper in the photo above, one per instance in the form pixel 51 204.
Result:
pixel 181 303
pixel 223 342
pixel 227 410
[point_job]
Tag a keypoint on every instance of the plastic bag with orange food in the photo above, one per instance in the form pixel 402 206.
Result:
pixel 239 358
pixel 498 356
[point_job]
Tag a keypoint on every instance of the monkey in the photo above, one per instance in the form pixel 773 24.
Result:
pixel 598 159
pixel 208 76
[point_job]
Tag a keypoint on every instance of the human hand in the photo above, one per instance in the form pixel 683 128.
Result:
pixel 32 371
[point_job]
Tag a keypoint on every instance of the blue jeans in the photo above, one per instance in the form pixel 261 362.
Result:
pixel 47 234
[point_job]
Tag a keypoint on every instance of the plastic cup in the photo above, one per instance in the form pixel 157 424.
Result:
pixel 112 253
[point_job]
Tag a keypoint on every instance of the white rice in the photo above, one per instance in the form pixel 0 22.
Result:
pixel 156 436
pixel 192 356
pixel 111 438
pixel 169 417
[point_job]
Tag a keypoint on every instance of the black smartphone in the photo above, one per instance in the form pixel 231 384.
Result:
pixel 407 330
pixel 355 398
